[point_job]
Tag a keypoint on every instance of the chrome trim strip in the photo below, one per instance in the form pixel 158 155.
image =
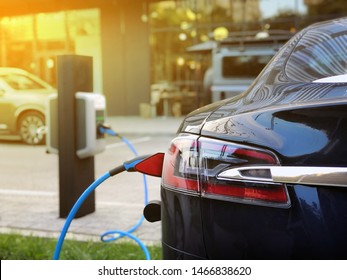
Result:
pixel 180 190
pixel 305 175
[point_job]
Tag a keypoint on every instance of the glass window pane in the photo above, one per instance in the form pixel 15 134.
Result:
pixel 243 66
pixel 318 54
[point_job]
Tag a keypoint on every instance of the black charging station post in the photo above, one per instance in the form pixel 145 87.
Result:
pixel 75 74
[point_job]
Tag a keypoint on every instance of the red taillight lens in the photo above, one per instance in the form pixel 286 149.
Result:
pixel 254 193
pixel 193 164
pixel 180 168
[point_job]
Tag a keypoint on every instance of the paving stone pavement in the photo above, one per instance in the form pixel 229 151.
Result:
pixel 29 187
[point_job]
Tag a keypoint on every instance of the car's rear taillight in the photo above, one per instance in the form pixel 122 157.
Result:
pixel 217 156
pixel 180 170
pixel 193 164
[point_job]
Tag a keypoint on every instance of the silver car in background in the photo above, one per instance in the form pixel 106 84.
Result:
pixel 23 99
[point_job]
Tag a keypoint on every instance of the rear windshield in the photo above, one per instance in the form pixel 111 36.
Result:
pixel 243 66
pixel 320 53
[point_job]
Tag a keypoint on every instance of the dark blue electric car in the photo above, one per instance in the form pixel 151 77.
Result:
pixel 264 175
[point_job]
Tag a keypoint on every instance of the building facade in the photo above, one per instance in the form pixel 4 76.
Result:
pixel 33 33
pixel 139 43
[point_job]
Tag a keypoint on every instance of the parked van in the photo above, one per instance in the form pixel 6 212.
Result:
pixel 237 61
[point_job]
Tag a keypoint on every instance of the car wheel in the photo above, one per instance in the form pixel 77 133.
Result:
pixel 31 128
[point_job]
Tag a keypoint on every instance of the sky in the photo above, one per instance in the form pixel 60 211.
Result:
pixel 271 7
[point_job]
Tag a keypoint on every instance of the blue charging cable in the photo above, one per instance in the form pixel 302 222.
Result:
pixel 127 166
pixel 113 235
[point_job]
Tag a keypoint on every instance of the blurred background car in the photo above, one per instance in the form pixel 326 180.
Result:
pixel 23 99
pixel 263 175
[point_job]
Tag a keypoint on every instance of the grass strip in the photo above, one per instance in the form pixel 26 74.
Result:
pixel 19 247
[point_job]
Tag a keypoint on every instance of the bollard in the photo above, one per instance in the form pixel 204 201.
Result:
pixel 74 74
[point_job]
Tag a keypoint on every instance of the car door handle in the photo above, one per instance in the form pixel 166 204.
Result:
pixel 306 175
